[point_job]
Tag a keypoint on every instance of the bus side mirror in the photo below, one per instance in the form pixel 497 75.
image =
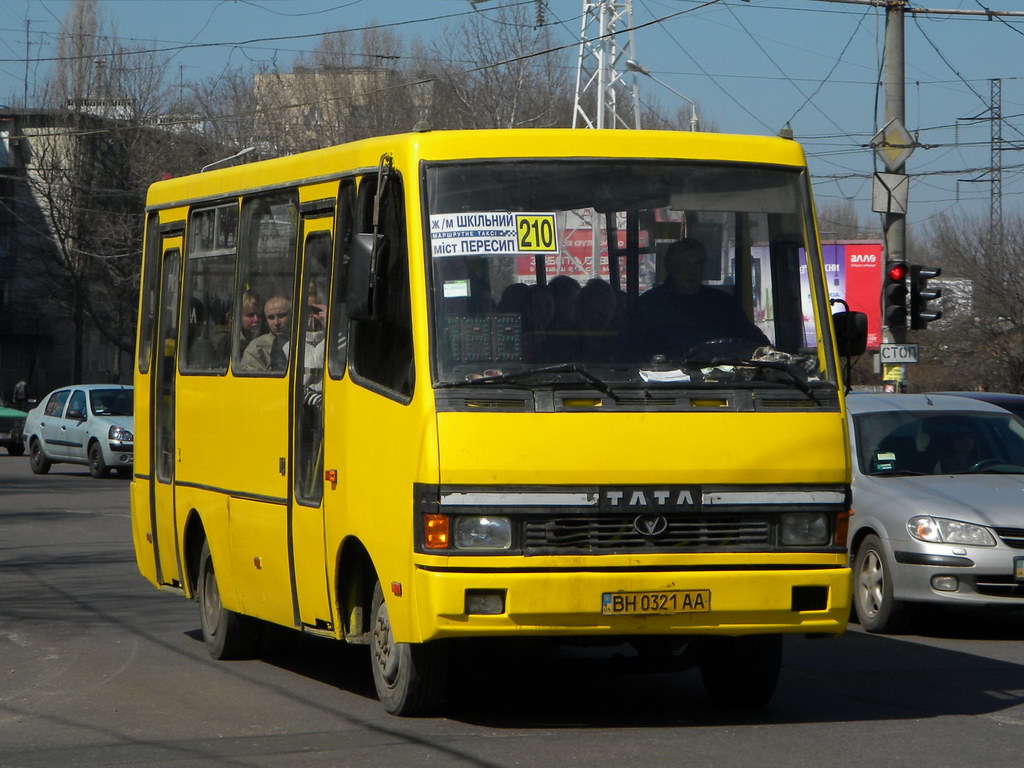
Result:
pixel 851 333
pixel 359 294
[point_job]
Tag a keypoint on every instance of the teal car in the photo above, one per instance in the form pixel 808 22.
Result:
pixel 12 424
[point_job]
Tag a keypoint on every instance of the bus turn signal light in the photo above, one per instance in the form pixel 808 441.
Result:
pixel 435 531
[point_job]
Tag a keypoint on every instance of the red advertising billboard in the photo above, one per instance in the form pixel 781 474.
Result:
pixel 853 269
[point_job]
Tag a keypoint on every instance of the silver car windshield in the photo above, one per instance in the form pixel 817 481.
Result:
pixel 939 443
pixel 111 402
pixel 632 273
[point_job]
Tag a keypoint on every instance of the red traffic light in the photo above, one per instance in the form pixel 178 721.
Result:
pixel 897 272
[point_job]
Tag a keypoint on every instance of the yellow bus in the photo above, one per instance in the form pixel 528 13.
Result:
pixel 425 388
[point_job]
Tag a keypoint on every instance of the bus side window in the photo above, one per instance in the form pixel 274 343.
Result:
pixel 269 235
pixel 337 348
pixel 382 351
pixel 309 415
pixel 150 288
pixel 209 273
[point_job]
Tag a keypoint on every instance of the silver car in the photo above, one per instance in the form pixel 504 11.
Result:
pixel 938 499
pixel 90 424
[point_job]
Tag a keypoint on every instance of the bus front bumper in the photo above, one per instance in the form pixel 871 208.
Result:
pixel 568 603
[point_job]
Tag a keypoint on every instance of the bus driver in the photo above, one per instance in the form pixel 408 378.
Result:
pixel 672 318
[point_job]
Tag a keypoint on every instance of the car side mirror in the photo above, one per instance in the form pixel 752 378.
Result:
pixel 74 413
pixel 851 333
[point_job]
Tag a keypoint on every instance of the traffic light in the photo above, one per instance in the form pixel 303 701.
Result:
pixel 894 295
pixel 921 294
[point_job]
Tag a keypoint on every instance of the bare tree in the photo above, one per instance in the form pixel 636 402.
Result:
pixel 490 74
pixel 980 339
pixel 92 155
pixel 838 220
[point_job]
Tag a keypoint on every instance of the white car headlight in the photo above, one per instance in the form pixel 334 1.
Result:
pixel 120 433
pixel 942 531
pixel 490 532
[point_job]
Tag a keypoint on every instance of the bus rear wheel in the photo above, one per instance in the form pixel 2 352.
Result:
pixel 409 677
pixel 741 672
pixel 228 635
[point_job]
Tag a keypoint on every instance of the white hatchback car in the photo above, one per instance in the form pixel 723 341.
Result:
pixel 90 424
pixel 938 499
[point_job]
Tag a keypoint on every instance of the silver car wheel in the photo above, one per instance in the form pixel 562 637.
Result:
pixel 870 583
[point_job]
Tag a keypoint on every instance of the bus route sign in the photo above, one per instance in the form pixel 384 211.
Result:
pixel 897 353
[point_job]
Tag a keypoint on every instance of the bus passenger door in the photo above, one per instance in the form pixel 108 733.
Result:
pixel 162 456
pixel 308 557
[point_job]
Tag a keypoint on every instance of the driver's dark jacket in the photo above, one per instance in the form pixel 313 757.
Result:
pixel 666 322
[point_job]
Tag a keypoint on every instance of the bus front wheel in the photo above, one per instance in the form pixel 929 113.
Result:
pixel 741 672
pixel 228 635
pixel 409 677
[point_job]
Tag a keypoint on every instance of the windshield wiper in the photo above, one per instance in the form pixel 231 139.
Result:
pixel 792 372
pixel 515 377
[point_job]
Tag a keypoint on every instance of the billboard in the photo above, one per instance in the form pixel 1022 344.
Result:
pixel 853 269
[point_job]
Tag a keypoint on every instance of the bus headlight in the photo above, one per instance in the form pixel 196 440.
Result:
pixel 483 532
pixel 805 529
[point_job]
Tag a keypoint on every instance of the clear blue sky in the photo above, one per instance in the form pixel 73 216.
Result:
pixel 751 67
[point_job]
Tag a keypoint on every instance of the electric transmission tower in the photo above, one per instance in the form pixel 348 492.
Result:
pixel 996 203
pixel 603 99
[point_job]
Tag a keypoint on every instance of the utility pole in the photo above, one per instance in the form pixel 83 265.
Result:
pixel 894 223
pixel 24 98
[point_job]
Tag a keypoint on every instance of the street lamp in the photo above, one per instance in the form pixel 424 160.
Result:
pixel 634 66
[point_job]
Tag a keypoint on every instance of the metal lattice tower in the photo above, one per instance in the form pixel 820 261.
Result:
pixel 996 209
pixel 603 100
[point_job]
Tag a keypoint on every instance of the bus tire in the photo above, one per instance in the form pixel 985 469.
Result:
pixel 37 460
pixel 877 609
pixel 228 635
pixel 97 466
pixel 409 677
pixel 741 672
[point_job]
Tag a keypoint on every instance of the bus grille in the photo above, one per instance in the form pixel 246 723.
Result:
pixel 1012 537
pixel 614 533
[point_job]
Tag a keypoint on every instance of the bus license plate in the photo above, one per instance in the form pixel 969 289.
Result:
pixel 684 601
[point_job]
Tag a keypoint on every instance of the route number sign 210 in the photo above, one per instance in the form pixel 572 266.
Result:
pixel 535 233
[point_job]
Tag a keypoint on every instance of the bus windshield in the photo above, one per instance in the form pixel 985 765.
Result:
pixel 634 272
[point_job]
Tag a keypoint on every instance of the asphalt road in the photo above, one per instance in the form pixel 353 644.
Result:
pixel 97 668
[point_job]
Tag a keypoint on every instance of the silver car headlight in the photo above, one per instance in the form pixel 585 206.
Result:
pixel 483 532
pixel 121 434
pixel 942 531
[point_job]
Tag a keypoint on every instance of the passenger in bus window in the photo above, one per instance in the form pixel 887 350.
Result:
pixel 269 352
pixel 595 312
pixel 565 291
pixel 681 313
pixel 538 313
pixel 249 325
